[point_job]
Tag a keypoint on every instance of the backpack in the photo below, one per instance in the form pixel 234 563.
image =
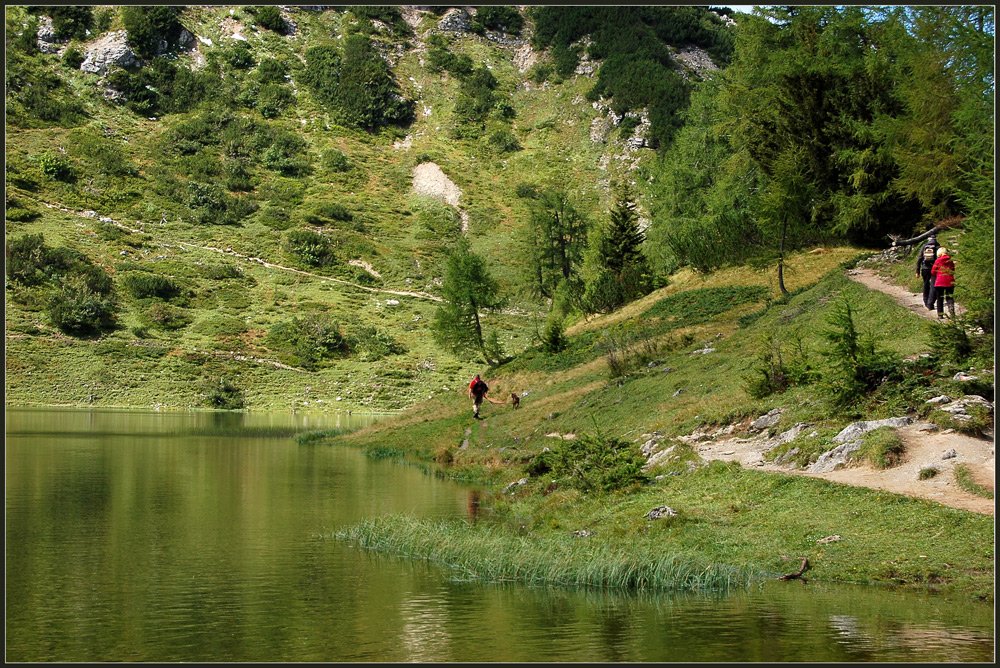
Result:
pixel 930 253
pixel 479 387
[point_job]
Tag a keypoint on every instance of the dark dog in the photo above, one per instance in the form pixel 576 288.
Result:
pixel 516 400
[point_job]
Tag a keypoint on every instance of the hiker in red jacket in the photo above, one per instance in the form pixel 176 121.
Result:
pixel 943 272
pixel 477 390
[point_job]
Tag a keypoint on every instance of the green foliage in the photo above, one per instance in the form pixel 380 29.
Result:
pixel 223 394
pixel 502 141
pixel 77 294
pixel 308 340
pixel 778 365
pixel 212 205
pixel 371 344
pixel 271 71
pixel 72 58
pixel 622 270
pixel 596 463
pixel 882 448
pixel 79 310
pixel 326 212
pixel 36 96
pixel 858 365
pixel 238 56
pixel 55 166
pixel 142 285
pixel 390 16
pixel 337 161
pixel 164 316
pixel 950 340
pixel 928 472
pixel 554 337
pixel 552 243
pixel 628 348
pixel 498 17
pixel 68 22
pixel 161 87
pixel 468 289
pixel 357 84
pixel 149 26
pixel 310 248
pixel 269 16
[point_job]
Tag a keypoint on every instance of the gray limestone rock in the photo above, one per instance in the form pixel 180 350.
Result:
pixel 858 429
pixel 830 460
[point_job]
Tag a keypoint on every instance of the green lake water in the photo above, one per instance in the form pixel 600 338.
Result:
pixel 205 537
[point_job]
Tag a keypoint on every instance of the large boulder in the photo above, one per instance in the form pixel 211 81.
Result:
pixel 109 51
pixel 455 20
pixel 830 460
pixel 857 429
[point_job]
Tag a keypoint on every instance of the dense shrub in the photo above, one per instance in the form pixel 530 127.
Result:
pixel 78 310
pixel 161 87
pixel 273 99
pixel 309 247
pixel 327 212
pixel 271 70
pixel 68 22
pixel 370 344
pixel 337 161
pixel 307 340
pixel 223 394
pixel 778 365
pixel 55 166
pixel 269 17
pixel 503 141
pixel 211 205
pixel 238 56
pixel 595 463
pixel 356 84
pixel 498 17
pixel 149 27
pixel 72 58
pixel 142 285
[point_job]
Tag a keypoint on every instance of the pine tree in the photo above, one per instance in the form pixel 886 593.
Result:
pixel 469 290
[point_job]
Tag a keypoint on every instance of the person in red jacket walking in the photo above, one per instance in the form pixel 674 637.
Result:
pixel 477 390
pixel 943 272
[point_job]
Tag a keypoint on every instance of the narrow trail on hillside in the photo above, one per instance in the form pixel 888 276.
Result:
pixel 911 301
pixel 248 258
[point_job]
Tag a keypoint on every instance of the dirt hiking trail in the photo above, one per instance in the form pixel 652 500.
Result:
pixel 923 448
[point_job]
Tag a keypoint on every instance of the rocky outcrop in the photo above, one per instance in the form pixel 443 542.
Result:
pixel 830 460
pixel 110 50
pixel 47 42
pixel 959 408
pixel 857 429
pixel 455 20
pixel 767 420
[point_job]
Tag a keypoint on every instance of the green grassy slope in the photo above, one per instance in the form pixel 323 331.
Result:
pixel 126 168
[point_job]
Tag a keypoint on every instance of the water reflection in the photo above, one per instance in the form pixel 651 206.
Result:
pixel 144 536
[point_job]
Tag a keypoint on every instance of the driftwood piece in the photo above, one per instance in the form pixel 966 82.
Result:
pixel 798 575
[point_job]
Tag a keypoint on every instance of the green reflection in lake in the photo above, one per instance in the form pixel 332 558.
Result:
pixel 141 536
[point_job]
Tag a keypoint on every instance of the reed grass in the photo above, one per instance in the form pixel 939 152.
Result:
pixel 490 553
pixel 317 435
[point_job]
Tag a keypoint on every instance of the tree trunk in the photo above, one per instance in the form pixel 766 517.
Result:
pixel 915 240
pixel 781 259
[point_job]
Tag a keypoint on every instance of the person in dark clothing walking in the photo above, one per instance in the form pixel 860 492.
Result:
pixel 944 283
pixel 925 261
pixel 477 390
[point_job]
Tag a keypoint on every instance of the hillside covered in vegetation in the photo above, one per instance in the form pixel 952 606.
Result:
pixel 356 208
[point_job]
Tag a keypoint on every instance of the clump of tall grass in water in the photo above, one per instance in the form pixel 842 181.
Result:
pixel 308 437
pixel 493 555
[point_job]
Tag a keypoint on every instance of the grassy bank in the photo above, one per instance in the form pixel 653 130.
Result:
pixel 732 526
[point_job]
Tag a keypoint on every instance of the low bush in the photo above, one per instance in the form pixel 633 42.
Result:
pixel 55 166
pixel 163 316
pixel 778 365
pixel 858 366
pixel 142 285
pixel 223 394
pixel 370 344
pixel 928 472
pixel 595 463
pixel 78 310
pixel 269 16
pixel 310 248
pixel 308 340
pixel 212 205
pixel 337 161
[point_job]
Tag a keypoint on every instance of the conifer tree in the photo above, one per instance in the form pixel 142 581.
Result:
pixel 469 290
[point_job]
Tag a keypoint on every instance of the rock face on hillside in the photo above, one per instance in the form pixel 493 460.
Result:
pixel 111 49
pixel 455 20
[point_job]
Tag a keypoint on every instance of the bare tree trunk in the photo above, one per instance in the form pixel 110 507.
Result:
pixel 915 240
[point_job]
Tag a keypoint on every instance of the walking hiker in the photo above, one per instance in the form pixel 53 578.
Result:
pixel 944 282
pixel 925 261
pixel 477 390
